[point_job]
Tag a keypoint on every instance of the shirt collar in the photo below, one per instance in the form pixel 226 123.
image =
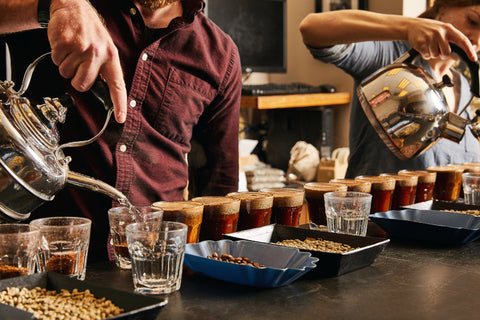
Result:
pixel 190 7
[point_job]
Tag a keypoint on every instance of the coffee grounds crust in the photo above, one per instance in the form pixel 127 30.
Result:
pixel 423 176
pixel 380 183
pixel 218 205
pixel 186 208
pixel 355 185
pixel 317 190
pixel 253 200
pixel 405 180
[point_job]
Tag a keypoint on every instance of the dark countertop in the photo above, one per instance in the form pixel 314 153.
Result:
pixel 407 281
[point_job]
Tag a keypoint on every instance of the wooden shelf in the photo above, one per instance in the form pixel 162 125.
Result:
pixel 295 100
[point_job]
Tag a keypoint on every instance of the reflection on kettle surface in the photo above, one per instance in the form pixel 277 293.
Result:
pixel 407 108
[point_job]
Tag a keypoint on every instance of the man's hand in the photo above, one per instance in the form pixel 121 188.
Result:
pixel 82 49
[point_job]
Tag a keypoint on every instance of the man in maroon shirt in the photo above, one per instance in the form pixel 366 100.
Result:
pixel 183 80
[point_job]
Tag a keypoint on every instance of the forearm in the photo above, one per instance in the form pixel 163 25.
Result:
pixel 348 26
pixel 18 15
pixel 429 37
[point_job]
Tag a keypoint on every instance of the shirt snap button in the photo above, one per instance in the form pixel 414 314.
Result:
pixel 123 148
pixel 133 11
pixel 133 103
pixel 144 57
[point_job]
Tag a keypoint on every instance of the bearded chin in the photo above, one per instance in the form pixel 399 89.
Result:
pixel 156 4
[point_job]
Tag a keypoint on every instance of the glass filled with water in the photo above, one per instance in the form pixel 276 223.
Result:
pixel 157 250
pixel 347 212
pixel 471 188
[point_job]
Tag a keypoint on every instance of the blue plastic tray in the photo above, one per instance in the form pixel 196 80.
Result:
pixel 283 265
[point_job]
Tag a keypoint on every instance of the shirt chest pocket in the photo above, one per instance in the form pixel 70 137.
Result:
pixel 184 100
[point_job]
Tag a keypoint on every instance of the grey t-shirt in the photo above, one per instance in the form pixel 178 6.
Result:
pixel 368 153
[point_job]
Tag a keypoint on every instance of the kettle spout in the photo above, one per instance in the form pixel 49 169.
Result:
pixel 85 182
pixel 454 127
pixel 475 125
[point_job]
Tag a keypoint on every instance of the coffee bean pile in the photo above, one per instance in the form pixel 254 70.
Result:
pixel 317 245
pixel 469 211
pixel 52 305
pixel 232 259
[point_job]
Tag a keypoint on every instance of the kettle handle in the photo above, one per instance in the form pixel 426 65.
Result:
pixel 99 87
pixel 473 66
pixel 76 144
pixel 102 93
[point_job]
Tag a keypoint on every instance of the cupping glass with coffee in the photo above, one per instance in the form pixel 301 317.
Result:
pixel 255 209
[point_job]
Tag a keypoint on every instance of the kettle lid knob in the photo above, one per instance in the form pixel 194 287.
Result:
pixel 55 110
pixel 446 82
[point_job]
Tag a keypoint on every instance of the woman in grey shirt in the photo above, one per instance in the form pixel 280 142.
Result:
pixel 362 42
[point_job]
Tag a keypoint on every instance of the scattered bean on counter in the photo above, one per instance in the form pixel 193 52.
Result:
pixel 236 260
pixel 50 304
pixel 317 245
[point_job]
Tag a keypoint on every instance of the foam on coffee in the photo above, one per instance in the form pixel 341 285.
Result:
pixel 404 180
pixel 187 208
pixel 423 176
pixel 253 200
pixel 218 204
pixel 379 182
pixel 286 197
pixel 355 185
pixel 317 190
pixel 450 168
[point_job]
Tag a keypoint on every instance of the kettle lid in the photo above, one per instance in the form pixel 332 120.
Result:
pixel 28 144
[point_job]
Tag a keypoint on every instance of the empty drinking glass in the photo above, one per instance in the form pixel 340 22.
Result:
pixel 157 250
pixel 347 212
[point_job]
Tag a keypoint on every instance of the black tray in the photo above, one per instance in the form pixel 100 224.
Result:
pixel 329 264
pixel 136 306
pixel 429 226
pixel 442 205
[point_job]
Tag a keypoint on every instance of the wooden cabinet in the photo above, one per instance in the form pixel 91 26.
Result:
pixel 298 117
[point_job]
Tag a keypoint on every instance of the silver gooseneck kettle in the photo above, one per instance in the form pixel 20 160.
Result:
pixel 407 108
pixel 33 167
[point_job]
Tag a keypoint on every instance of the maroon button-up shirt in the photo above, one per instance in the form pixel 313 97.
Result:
pixel 184 84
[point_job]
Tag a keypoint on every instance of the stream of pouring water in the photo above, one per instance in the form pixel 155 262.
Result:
pixel 161 242
pixel 131 208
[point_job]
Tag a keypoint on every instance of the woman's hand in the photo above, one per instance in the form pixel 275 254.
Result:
pixel 431 39
pixel 82 49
